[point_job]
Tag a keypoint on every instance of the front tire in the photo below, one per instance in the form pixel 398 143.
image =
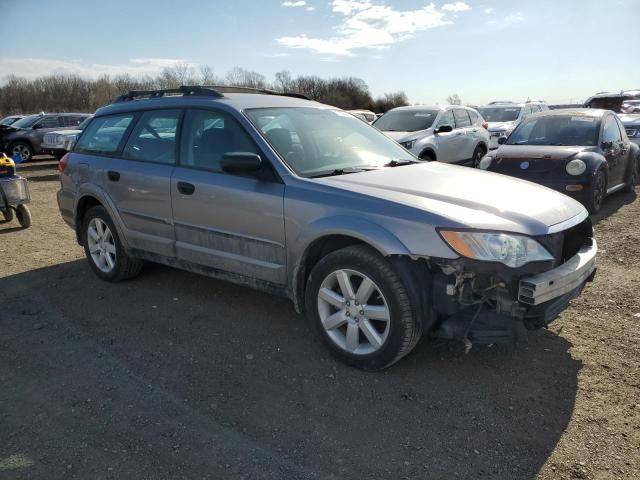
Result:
pixel 104 251
pixel 8 215
pixel 478 153
pixel 22 149
pixel 634 177
pixel 597 192
pixel 361 308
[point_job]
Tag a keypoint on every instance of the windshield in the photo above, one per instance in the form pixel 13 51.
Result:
pixel 315 142
pixel 615 103
pixel 84 123
pixel 572 130
pixel 27 122
pixel 9 120
pixel 500 114
pixel 406 120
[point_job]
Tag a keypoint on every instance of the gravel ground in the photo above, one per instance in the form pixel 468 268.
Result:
pixel 173 375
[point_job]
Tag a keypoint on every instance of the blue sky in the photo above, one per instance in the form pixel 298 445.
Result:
pixel 558 50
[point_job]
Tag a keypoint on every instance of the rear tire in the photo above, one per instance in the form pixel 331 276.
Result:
pixel 478 153
pixel 597 192
pixel 373 326
pixel 23 214
pixel 103 248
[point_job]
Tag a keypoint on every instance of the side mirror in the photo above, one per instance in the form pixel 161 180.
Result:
pixel 443 129
pixel 240 162
pixel 502 140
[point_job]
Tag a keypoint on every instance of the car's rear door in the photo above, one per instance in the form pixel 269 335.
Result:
pixel 139 181
pixel 464 130
pixel 225 221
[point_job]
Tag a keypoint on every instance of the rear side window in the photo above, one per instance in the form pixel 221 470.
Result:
pixel 72 120
pixel 153 139
pixel 462 118
pixel 207 135
pixel 476 119
pixel 104 134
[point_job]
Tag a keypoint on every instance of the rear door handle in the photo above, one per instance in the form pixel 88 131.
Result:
pixel 186 188
pixel 113 176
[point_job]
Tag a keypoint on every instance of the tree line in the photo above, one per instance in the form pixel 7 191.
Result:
pixel 74 93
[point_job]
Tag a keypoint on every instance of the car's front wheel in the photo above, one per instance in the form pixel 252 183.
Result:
pixel 102 246
pixel 361 308
pixel 597 192
pixel 22 150
pixel 478 153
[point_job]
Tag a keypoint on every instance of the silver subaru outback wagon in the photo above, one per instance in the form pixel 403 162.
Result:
pixel 304 200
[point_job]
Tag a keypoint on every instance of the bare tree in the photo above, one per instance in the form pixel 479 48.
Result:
pixel 454 99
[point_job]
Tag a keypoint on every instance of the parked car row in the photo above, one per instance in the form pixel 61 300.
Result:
pixel 373 244
pixel 24 136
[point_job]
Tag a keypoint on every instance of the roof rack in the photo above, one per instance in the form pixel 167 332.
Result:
pixel 216 91
pixel 497 102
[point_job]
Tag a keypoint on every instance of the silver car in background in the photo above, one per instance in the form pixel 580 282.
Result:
pixel 304 200
pixel 450 134
pixel 502 117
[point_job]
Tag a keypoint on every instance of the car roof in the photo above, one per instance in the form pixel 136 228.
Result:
pixel 233 101
pixel 577 112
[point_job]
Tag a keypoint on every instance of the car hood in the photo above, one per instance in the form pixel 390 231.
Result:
pixel 406 136
pixel 466 197
pixel 544 152
pixel 500 125
pixel 65 132
pixel 630 119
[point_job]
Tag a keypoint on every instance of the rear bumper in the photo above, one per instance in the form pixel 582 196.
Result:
pixel 560 281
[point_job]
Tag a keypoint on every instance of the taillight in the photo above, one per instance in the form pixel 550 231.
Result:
pixel 62 164
pixel 485 125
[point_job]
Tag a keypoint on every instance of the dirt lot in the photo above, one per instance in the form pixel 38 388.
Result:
pixel 173 375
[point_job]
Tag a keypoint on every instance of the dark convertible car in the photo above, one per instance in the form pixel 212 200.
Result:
pixel 584 153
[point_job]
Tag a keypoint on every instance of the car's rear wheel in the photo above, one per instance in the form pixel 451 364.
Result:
pixel 23 150
pixel 597 192
pixel 478 153
pixel 361 308
pixel 23 214
pixel 102 246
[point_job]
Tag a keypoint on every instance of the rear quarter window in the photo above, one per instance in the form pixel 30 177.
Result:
pixel 104 134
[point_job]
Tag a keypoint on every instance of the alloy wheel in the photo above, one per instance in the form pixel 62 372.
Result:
pixel 102 246
pixel 23 151
pixel 353 312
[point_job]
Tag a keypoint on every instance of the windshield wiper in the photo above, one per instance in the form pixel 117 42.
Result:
pixel 399 163
pixel 342 171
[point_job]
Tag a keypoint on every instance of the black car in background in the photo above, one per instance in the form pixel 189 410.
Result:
pixel 584 153
pixel 11 119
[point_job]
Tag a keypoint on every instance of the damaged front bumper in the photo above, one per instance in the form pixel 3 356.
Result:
pixel 491 308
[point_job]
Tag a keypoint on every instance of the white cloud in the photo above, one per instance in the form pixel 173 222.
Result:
pixel 310 9
pixel 508 21
pixel 514 17
pixel 35 67
pixel 300 3
pixel 369 25
pixel 488 11
pixel 456 7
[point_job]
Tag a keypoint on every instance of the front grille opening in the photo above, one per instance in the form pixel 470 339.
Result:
pixel 575 238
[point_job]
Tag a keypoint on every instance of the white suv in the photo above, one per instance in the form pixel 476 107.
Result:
pixel 504 116
pixel 450 134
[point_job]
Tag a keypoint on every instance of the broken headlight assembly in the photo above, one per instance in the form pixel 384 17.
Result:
pixel 511 249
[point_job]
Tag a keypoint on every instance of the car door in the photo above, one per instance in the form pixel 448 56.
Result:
pixel 613 150
pixel 447 143
pixel 226 221
pixel 464 130
pixel 626 153
pixel 139 181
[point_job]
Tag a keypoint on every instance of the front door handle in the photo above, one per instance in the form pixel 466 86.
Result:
pixel 186 188
pixel 113 176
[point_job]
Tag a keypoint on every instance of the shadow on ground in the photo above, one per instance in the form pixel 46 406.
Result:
pixel 172 374
pixel 612 204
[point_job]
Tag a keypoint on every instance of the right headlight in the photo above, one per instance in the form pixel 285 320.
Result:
pixel 511 249
pixel 576 167
pixel 485 163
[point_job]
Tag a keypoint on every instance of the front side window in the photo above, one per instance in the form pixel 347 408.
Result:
pixel 447 119
pixel 153 139
pixel 500 114
pixel 462 118
pixel 27 122
pixel 208 135
pixel 570 130
pixel 316 142
pixel 610 132
pixel 50 121
pixel 104 134
pixel 406 120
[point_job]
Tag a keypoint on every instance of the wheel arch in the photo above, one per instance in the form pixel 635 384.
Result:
pixel 428 151
pixel 94 196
